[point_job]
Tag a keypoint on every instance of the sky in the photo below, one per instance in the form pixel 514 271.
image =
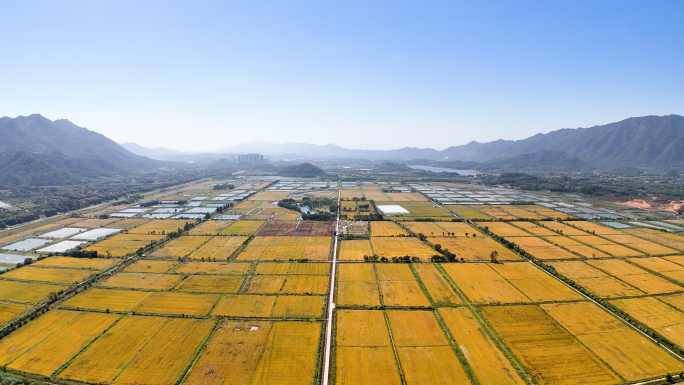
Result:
pixel 205 75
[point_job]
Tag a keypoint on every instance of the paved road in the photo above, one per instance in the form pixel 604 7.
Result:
pixel 331 301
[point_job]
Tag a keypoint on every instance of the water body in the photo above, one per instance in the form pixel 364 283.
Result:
pixel 443 169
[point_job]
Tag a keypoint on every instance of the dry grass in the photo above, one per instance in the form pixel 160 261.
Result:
pixel 488 362
pixel 386 229
pixel 244 306
pixel 106 299
pixel 211 284
pixel 142 281
pixel 177 303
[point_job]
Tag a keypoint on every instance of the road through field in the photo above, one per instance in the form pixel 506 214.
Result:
pixel 331 300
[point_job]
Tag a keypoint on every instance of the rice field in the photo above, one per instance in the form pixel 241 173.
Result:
pixel 541 249
pixel 106 299
pixel 9 311
pixel 474 249
pixel 158 226
pixel 180 247
pixel 210 284
pixel 635 276
pixel 142 281
pixel 656 314
pixel 177 303
pixel 354 250
pixel 295 306
pixel 26 292
pixel 481 284
pixel 47 274
pixel 503 229
pixel 218 248
pixel 243 227
pixel 496 212
pixel 534 283
pixel 521 212
pixel 643 245
pixel 534 228
pixel 150 266
pixel 357 285
pixel 76 263
pixel 212 227
pixel 439 289
pixel 674 241
pixel 595 280
pixel 386 229
pixel 219 268
pixel 120 245
pixel 593 228
pixel 286 248
pixel 258 306
pixel 400 246
pixel 468 212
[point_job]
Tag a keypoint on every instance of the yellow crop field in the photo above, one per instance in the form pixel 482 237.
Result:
pixel 618 250
pixel 266 284
pixel 366 365
pixel 483 285
pixel 676 300
pixel 142 281
pixel 290 354
pixel 272 196
pixel 362 328
pixel 496 212
pixel 310 269
pixel 231 305
pixel 469 212
pixel 242 228
pixel 9 311
pixel 298 306
pixel 521 212
pixel 415 328
pixel 348 206
pixel 595 280
pixel 150 266
pixel 272 268
pixel 592 227
pixel 76 263
pixel 635 276
pixel 577 269
pixel 561 228
pixel 655 314
pixel 101 362
pixel 541 249
pixel 177 303
pixel 459 228
pixel 386 229
pixel 549 352
pixel 357 293
pixel 474 249
pixel 487 361
pixel 534 283
pixel 103 299
pixel 675 241
pixel 120 245
pixel 222 268
pixel 128 223
pixel 286 248
pixel 641 244
pixel 213 227
pixel 48 274
pixel 96 222
pixel 529 242
pixel 406 197
pixel 503 229
pixel 394 272
pixel 351 193
pixel 431 365
pixel 218 248
pixel 421 209
pixel 21 340
pixel 29 292
pixel 159 226
pixel 349 272
pixel 436 285
pixel 180 247
pixel 425 228
pixel 166 356
pixel 306 284
pixel 534 228
pixel 400 246
pixel 232 354
pixel 629 353
pixel 375 195
pixel 211 284
pixel 659 265
pixel 588 251
pixel 354 250
pixel 55 350
pixel 402 293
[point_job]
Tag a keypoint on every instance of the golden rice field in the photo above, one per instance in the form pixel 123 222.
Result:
pixel 142 281
pixel 481 284
pixel 469 212
pixel 400 246
pixel 386 229
pixel 211 284
pixel 635 276
pixel 306 284
pixel 420 209
pixel 242 228
pixel 96 222
pixel 657 315
pixel 354 250
pixel 213 227
pixel 474 249
pixel 27 292
pixel 534 283
pixel 541 249
pixel 375 195
pixel 220 268
pixel 496 212
pixel 629 353
pixel 271 196
pixel 177 303
pixel 272 268
pixel 218 248
pixel 399 286
pixel 239 305
pixel 106 299
pixel 439 289
pixel 488 362
pixel 57 348
pixel 357 285
pixel 76 263
pixel 266 284
pixel 285 248
pixel 674 241
pixel 158 226
pixel 548 212
pixel 548 351
pixel 349 193
pixel 120 245
pixel 9 311
pixel 593 228
pixel 534 228
pixel 296 306
pixel 521 212
pixel 425 228
pixel 128 223
pixel 647 247
pixel 503 229
pixel 150 266
pixel 180 247
pixel 309 269
pixel 595 280
pixel 562 228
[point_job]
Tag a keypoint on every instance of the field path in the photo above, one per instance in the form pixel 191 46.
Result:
pixel 331 300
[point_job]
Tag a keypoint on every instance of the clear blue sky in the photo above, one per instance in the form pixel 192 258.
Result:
pixel 198 75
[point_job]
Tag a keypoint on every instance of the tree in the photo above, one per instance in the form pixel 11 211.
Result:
pixel 466 235
pixel 493 256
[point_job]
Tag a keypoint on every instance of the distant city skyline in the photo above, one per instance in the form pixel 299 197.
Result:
pixel 204 76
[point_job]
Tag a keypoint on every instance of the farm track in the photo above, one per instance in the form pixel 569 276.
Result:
pixel 331 300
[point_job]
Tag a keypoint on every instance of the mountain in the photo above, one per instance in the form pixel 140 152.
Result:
pixel 159 153
pixel 545 160
pixel 37 151
pixel 304 170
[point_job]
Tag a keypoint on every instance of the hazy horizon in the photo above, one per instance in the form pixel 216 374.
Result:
pixel 381 75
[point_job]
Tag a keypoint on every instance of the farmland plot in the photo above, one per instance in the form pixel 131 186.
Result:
pixel 400 246
pixel 27 292
pixel 220 268
pixel 142 281
pixel 436 285
pixel 150 266
pixel 47 274
pixel 106 299
pixel 242 228
pixel 355 250
pixel 177 303
pixel 399 287
pixel 483 285
pixel 357 285
pixel 76 263
pixel 244 306
pixel 386 229
pixel 180 247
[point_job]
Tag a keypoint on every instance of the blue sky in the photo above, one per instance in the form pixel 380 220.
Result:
pixel 198 75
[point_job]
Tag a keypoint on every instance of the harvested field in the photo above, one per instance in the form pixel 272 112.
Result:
pixel 28 292
pixel 287 248
pixel 218 248
pixel 400 246
pixel 159 226
pixel 438 288
pixel 242 228
pixel 106 299
pixel 354 250
pixel 213 227
pixel 290 354
pixel 56 349
pixel 165 357
pixel 469 212
pixel 211 284
pixel 534 228
pixel 306 284
pixel 47 274
pixel 177 303
pixel 150 266
pixel 629 353
pixel 9 311
pixel 76 263
pixel 142 281
pixel 474 249
pixel 232 354
pixel 296 306
pixel 386 229
pixel 494 289
pixel 503 229
pixel 488 362
pixel 180 247
pixel 120 245
pixel 549 352
pixel 534 283
pixel 244 306
pixel 221 268
pixel 105 358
